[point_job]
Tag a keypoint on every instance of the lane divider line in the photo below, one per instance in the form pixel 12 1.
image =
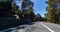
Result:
pixel 47 27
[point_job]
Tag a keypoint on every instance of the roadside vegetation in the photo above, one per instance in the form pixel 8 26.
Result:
pixel 53 11
pixel 11 11
pixel 11 15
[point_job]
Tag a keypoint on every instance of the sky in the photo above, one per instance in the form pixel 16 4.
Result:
pixel 39 6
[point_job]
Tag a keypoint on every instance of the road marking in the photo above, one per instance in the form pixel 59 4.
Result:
pixel 47 27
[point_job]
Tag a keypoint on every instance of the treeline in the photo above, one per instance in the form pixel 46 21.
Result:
pixel 11 15
pixel 12 10
pixel 53 11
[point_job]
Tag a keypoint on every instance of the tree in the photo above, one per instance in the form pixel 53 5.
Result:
pixel 16 10
pixel 5 8
pixel 38 18
pixel 53 12
pixel 27 9
pixel 9 8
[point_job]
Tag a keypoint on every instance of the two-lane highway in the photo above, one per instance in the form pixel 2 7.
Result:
pixel 36 27
pixel 54 27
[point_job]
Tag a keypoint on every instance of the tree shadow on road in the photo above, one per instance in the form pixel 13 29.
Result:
pixel 15 26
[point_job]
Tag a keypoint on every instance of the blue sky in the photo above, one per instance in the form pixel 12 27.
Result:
pixel 39 6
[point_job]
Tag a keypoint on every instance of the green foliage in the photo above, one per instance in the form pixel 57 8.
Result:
pixel 5 8
pixel 53 12
pixel 10 8
pixel 38 18
pixel 29 13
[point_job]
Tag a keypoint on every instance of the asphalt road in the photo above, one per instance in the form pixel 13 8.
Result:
pixel 36 27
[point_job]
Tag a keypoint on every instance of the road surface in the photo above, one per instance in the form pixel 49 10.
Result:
pixel 36 27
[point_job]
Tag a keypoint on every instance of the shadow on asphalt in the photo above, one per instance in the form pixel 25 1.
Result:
pixel 16 26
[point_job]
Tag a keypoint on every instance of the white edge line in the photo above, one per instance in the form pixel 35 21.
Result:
pixel 47 27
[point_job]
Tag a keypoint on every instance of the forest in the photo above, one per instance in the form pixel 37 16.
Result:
pixel 53 14
pixel 10 9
